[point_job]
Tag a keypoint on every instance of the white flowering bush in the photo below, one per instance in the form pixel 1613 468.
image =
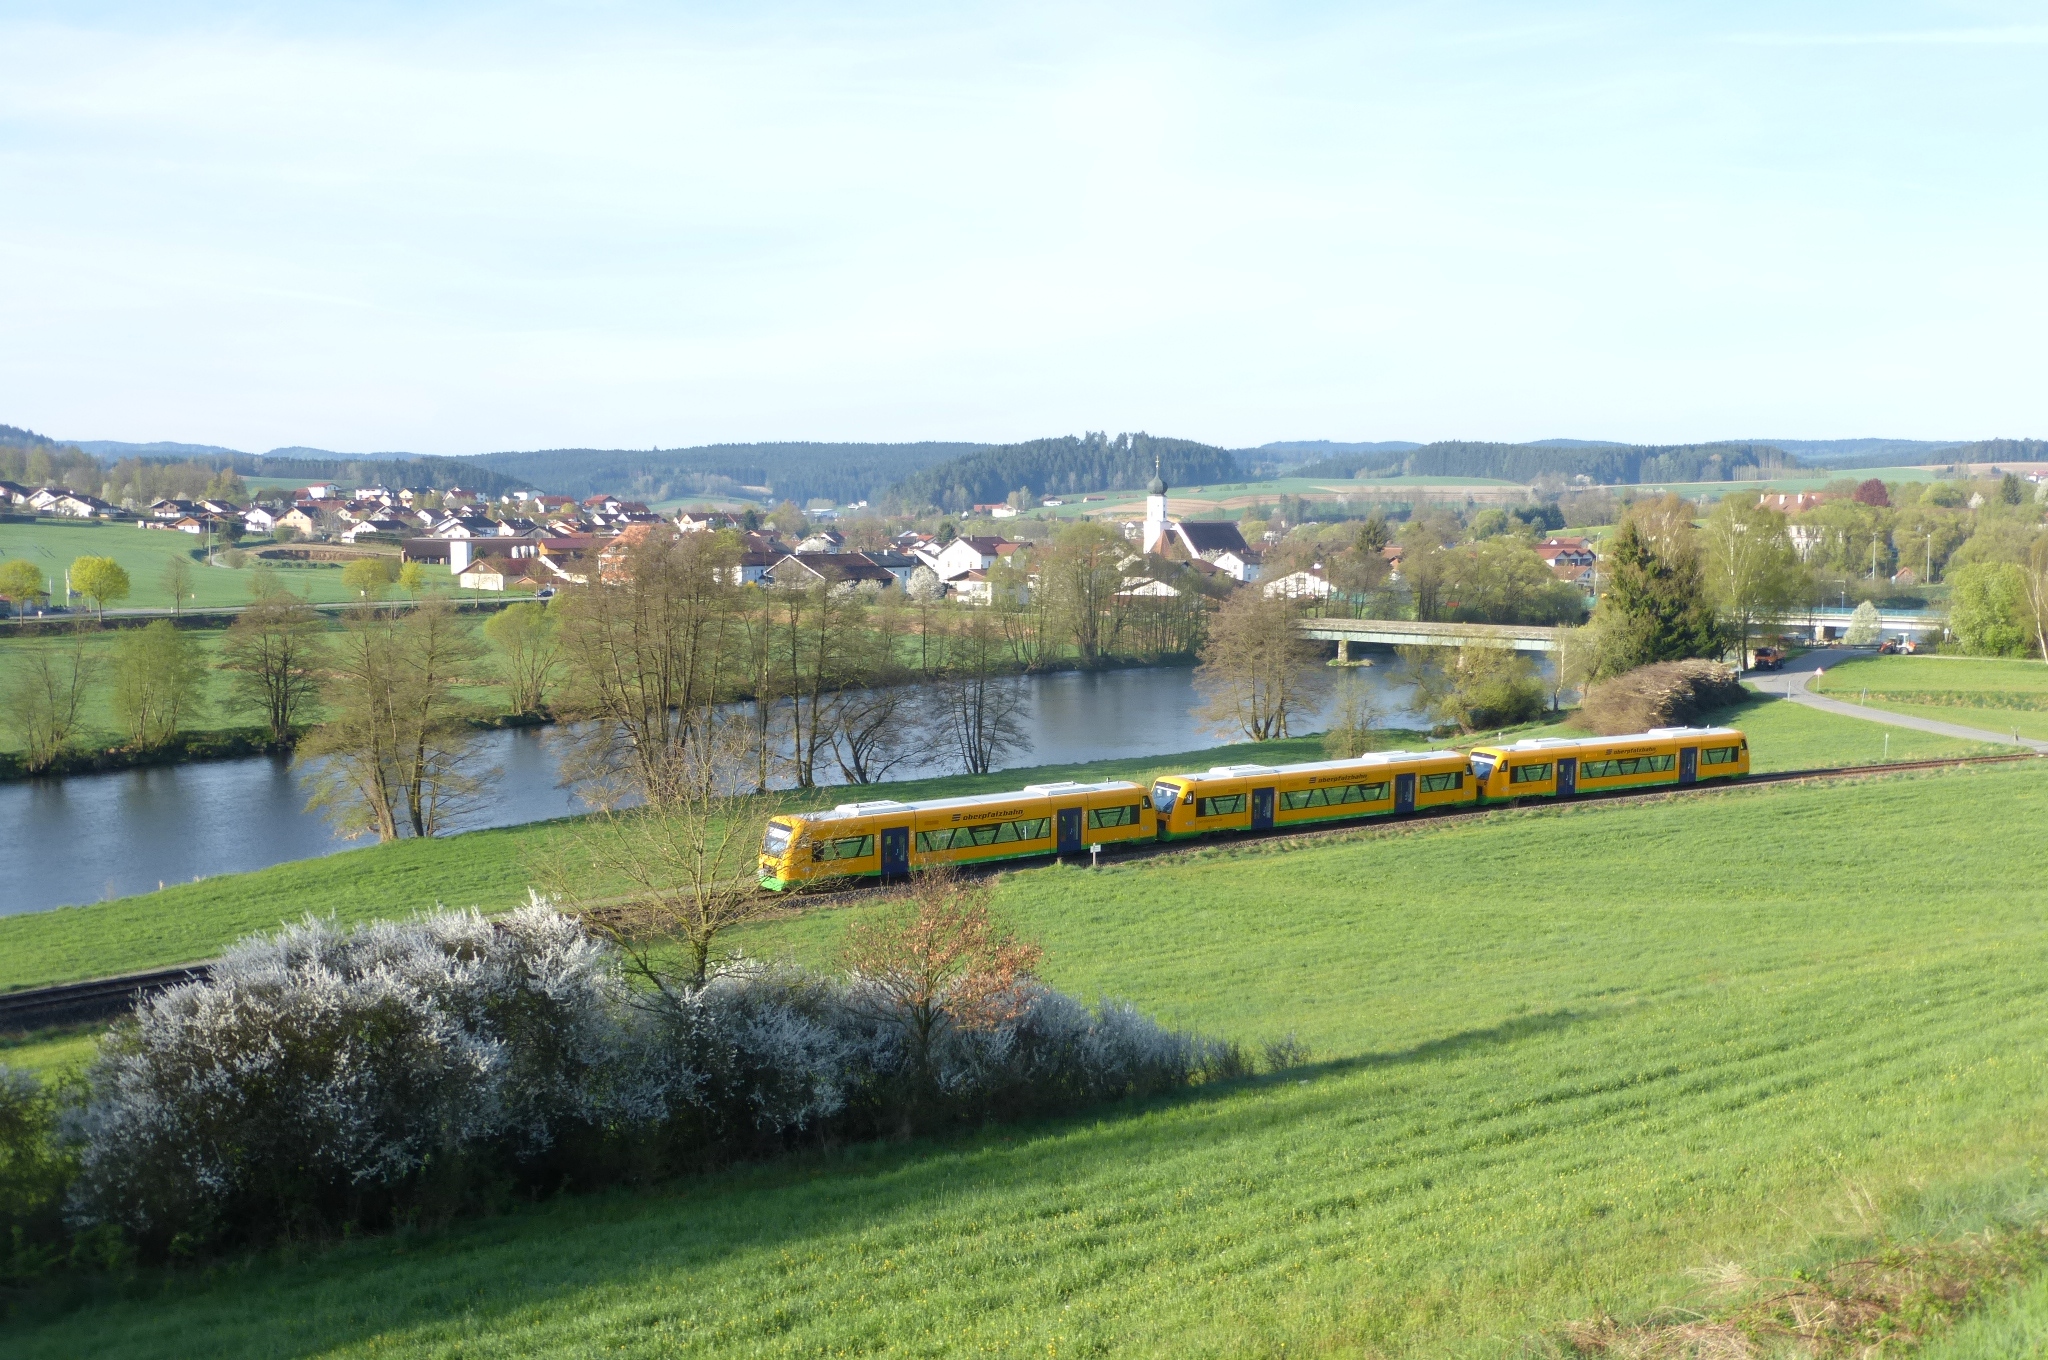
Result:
pixel 327 1077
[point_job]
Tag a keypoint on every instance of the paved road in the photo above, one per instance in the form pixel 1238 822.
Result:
pixel 1792 682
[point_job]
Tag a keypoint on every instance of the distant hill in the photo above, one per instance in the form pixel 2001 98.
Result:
pixel 117 448
pixel 1322 448
pixel 1618 464
pixel 800 472
pixel 1866 452
pixel 1065 466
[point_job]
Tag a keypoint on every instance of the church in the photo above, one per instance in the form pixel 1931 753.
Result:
pixel 1216 542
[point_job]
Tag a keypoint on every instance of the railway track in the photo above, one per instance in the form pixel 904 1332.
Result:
pixel 79 1002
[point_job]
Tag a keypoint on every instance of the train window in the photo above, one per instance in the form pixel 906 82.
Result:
pixel 847 847
pixel 1115 816
pixel 1221 806
pixel 1163 796
pixel 777 839
pixel 1528 774
pixel 1294 800
pixel 1614 769
pixel 1482 767
pixel 1720 755
pixel 989 833
pixel 1454 779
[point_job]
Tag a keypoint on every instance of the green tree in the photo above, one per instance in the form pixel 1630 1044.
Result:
pixel 1502 580
pixel 528 637
pixel 412 579
pixel 1656 606
pixel 159 681
pixel 101 580
pixel 1474 687
pixel 1752 569
pixel 21 581
pixel 1083 574
pixel 2011 489
pixel 369 578
pixel 1988 609
pixel 272 652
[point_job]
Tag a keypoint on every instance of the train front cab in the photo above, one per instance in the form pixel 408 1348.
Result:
pixel 1555 767
pixel 1258 797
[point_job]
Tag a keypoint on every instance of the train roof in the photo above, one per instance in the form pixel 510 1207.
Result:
pixel 878 806
pixel 1366 761
pixel 1654 734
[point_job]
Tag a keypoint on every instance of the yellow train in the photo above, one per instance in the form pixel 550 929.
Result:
pixel 1555 767
pixel 887 839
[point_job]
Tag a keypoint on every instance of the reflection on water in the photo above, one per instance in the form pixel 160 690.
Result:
pixel 90 837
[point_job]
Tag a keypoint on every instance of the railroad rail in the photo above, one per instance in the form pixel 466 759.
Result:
pixel 78 1002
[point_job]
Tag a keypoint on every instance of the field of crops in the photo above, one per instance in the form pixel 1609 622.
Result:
pixel 1560 1060
pixel 2002 696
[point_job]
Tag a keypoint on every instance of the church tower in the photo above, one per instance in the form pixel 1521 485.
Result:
pixel 1155 511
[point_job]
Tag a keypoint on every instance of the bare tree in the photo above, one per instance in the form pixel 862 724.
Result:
pixel 395 755
pixel 981 710
pixel 939 961
pixel 159 681
pixel 176 580
pixel 1081 575
pixel 45 694
pixel 646 642
pixel 688 866
pixel 1257 670
pixel 2036 570
pixel 273 654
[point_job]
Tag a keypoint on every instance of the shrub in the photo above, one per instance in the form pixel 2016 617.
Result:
pixel 1988 610
pixel 324 1079
pixel 34 1171
pixel 1666 694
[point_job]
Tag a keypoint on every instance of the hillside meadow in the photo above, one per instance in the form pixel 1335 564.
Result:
pixel 143 554
pixel 1561 1060
pixel 494 869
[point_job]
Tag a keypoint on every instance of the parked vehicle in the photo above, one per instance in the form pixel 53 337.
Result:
pixel 1766 659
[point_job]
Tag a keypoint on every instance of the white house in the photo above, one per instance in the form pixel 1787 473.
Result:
pixel 1300 585
pixel 963 555
pixel 259 520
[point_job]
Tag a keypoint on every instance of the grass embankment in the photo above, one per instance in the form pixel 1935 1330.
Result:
pixel 493 869
pixel 1562 1058
pixel 2002 696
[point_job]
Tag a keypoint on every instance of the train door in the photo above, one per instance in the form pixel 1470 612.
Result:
pixel 1404 793
pixel 1688 764
pixel 1262 809
pixel 1070 831
pixel 1567 776
pixel 895 852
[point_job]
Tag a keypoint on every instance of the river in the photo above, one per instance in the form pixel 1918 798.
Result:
pixel 86 838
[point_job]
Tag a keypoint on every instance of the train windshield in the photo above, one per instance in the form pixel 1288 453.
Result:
pixel 1482 766
pixel 777 839
pixel 1163 795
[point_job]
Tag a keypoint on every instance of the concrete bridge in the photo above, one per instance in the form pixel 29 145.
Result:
pixel 1826 623
pixel 1405 633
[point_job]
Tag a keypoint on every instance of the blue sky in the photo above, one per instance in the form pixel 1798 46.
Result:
pixel 454 229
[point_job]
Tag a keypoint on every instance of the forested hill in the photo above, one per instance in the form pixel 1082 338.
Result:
pixel 840 473
pixel 1063 467
pixel 1611 464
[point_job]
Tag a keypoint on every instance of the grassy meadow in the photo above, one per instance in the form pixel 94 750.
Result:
pixel 1999 695
pixel 493 869
pixel 1561 1059
pixel 143 553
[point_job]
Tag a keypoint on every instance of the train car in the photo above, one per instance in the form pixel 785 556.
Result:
pixel 1554 767
pixel 887 839
pixel 1255 797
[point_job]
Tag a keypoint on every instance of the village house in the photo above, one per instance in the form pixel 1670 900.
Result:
pixel 963 555
pixel 300 519
pixel 1307 584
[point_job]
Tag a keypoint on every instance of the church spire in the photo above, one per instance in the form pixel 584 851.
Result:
pixel 1157 486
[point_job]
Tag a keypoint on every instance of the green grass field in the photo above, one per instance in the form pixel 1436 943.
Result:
pixel 1561 1059
pixel 143 553
pixel 1997 695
